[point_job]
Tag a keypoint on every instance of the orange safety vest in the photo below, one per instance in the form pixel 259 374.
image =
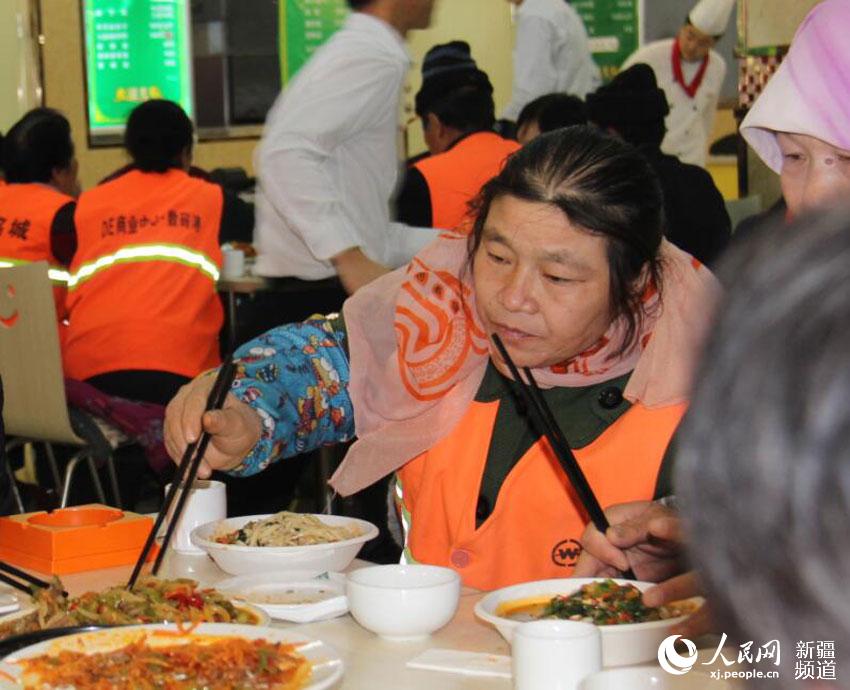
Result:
pixel 27 211
pixel 142 285
pixel 456 176
pixel 536 525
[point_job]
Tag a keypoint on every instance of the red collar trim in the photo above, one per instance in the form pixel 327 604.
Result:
pixel 692 88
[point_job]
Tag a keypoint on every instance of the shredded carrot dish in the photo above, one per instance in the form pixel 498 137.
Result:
pixel 228 664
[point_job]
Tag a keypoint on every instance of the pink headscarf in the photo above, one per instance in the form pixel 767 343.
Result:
pixel 418 354
pixel 810 92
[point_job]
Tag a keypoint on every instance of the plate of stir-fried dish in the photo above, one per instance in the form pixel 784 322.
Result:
pixel 151 600
pixel 175 657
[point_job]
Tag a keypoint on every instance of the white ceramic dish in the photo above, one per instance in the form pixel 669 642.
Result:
pixel 296 595
pixel 249 560
pixel 403 602
pixel 9 601
pixel 632 643
pixel 326 661
pixel 651 678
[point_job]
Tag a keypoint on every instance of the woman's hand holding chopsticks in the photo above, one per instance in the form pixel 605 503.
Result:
pixel 234 430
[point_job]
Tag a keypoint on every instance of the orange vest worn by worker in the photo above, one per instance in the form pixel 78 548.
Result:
pixel 142 286
pixel 536 525
pixel 26 217
pixel 456 176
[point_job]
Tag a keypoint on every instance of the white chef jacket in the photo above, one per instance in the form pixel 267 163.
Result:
pixel 552 54
pixel 691 120
pixel 328 162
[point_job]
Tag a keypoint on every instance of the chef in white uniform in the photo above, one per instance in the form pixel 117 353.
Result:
pixel 691 74
pixel 552 54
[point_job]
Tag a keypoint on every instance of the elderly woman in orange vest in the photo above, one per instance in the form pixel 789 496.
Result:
pixel 144 311
pixel 567 264
pixel 37 203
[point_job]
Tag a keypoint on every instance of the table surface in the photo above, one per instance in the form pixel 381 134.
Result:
pixel 371 663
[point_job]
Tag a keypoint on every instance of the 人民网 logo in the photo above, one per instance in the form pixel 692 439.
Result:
pixel 673 662
pixel 565 553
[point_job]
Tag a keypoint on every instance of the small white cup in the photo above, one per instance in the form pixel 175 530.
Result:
pixel 232 263
pixel 207 501
pixel 554 654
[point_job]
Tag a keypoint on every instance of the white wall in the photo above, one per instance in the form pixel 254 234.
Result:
pixel 19 80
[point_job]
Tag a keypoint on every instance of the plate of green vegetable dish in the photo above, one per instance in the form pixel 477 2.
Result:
pixel 631 631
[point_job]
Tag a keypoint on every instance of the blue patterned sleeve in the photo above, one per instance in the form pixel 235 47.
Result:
pixel 296 378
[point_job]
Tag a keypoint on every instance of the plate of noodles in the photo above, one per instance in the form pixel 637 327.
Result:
pixel 152 600
pixel 630 631
pixel 209 655
pixel 283 541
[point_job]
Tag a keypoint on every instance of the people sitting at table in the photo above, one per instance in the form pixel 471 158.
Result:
pixel 567 264
pixel 144 312
pixel 549 112
pixel 792 128
pixel 455 105
pixel 37 202
pixel 633 107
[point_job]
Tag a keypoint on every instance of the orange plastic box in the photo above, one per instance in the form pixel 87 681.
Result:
pixel 71 540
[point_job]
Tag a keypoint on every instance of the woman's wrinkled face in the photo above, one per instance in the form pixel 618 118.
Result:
pixel 541 283
pixel 813 172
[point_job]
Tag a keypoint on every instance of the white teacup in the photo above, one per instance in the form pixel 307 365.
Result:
pixel 207 501
pixel 232 263
pixel 555 654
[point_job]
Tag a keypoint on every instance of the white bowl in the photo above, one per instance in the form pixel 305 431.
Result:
pixel 630 643
pixel 237 559
pixel 651 678
pixel 403 602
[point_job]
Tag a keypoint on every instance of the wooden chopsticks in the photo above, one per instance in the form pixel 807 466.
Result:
pixel 185 475
pixel 538 407
pixel 9 572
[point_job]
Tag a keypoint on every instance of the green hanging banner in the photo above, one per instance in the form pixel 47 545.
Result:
pixel 304 26
pixel 135 50
pixel 614 28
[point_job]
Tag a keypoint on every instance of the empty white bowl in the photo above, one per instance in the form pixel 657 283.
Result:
pixel 237 559
pixel 403 602
pixel 631 643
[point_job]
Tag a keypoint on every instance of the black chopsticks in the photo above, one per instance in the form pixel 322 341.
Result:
pixel 184 477
pixel 7 571
pixel 538 407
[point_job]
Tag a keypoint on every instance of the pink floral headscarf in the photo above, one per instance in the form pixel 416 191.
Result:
pixel 810 92
pixel 418 354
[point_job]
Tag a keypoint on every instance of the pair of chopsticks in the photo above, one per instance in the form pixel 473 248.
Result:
pixel 8 573
pixel 538 407
pixel 185 475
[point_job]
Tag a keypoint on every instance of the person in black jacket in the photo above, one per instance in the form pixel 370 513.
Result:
pixel 633 107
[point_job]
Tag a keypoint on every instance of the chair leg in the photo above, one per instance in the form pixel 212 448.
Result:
pixel 95 479
pixel 113 480
pixel 13 484
pixel 54 468
pixel 69 475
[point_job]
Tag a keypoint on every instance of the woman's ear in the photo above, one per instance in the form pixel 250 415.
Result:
pixel 67 179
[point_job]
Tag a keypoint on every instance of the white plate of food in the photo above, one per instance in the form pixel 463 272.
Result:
pixel 283 541
pixel 630 631
pixel 152 600
pixel 295 595
pixel 209 655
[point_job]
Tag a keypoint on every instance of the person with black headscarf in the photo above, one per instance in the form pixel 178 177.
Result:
pixel 634 107
pixel 455 105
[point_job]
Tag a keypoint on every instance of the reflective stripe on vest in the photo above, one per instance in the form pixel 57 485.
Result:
pixel 56 275
pixel 145 252
pixel 534 529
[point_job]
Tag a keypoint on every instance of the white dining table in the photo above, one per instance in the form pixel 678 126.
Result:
pixel 371 663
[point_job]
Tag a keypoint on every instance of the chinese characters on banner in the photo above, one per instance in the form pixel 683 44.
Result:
pixel 614 29
pixel 304 26
pixel 136 50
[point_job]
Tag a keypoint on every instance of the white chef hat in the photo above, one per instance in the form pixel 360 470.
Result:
pixel 711 16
